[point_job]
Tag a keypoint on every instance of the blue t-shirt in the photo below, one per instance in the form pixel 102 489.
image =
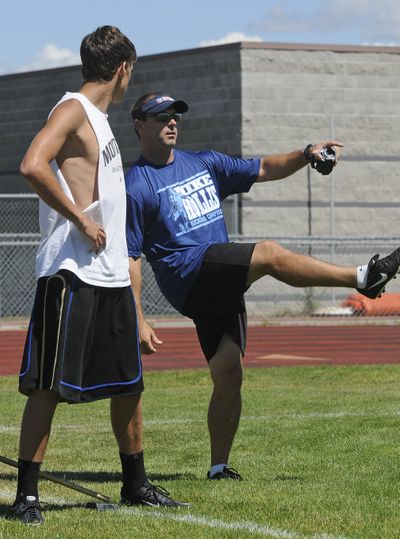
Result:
pixel 174 213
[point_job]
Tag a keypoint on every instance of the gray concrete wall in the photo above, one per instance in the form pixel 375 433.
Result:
pixel 252 99
pixel 209 79
pixel 292 97
pixel 25 101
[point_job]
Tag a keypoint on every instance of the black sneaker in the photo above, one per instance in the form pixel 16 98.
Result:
pixel 379 273
pixel 27 511
pixel 152 495
pixel 227 473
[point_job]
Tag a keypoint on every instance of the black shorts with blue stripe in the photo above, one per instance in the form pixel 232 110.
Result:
pixel 82 341
pixel 216 300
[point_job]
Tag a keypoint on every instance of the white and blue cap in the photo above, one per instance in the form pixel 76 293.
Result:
pixel 160 103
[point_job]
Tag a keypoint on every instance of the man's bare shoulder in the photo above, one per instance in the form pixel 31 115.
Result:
pixel 69 115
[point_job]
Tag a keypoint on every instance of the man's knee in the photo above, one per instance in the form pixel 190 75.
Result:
pixel 128 404
pixel 43 399
pixel 266 253
pixel 266 260
pixel 228 378
pixel 226 366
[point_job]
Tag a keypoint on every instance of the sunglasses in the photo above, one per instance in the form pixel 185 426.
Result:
pixel 165 117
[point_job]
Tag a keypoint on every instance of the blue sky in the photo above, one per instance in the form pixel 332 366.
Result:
pixel 44 34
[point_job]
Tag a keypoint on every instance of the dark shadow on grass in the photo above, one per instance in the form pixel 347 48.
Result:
pixel 284 477
pixel 115 477
pixel 91 477
pixel 5 510
pixel 104 477
pixel 171 477
pixel 8 476
pixel 62 507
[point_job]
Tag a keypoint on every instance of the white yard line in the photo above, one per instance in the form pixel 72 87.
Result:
pixel 7 496
pixel 322 415
pixel 103 426
pixel 271 417
pixel 250 527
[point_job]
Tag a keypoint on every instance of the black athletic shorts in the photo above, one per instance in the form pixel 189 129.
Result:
pixel 216 299
pixel 82 341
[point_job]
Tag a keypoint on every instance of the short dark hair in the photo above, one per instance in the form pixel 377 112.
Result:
pixel 138 103
pixel 103 51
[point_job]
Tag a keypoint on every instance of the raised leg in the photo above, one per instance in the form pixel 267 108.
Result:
pixel 270 258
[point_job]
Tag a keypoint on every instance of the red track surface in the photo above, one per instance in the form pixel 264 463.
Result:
pixel 267 346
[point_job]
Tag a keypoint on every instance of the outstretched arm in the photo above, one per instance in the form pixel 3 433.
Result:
pixel 279 166
pixel 148 338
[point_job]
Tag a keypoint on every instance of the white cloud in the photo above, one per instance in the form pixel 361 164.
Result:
pixel 232 37
pixel 52 56
pixel 375 21
pixel 368 20
pixel 281 18
pixel 380 44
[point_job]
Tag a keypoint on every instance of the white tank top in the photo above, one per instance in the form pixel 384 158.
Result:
pixel 62 245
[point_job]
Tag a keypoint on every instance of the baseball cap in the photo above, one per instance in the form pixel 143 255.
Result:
pixel 159 103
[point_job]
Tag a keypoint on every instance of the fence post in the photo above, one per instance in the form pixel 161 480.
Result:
pixel 308 300
pixel 332 211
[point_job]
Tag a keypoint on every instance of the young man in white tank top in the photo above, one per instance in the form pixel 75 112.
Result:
pixel 82 340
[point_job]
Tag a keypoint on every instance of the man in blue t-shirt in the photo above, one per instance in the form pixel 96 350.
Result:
pixel 174 217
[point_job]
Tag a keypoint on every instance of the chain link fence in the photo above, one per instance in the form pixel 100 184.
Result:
pixel 19 239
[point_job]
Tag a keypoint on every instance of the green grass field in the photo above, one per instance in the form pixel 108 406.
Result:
pixel 318 448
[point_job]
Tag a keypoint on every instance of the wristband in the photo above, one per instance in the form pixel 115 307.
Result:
pixel 306 152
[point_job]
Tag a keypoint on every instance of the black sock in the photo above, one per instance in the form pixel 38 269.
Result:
pixel 133 473
pixel 28 477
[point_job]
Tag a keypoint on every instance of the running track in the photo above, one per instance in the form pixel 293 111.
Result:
pixel 267 346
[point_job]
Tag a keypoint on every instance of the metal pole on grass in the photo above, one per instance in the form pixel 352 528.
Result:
pixel 62 482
